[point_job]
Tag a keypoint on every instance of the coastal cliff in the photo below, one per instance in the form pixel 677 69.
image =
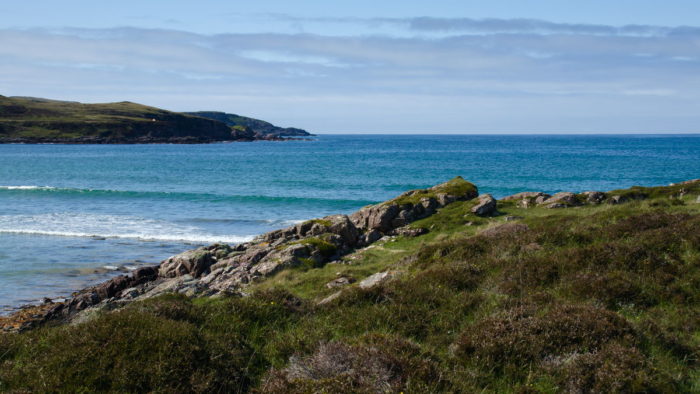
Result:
pixel 36 120
pixel 256 125
pixel 438 289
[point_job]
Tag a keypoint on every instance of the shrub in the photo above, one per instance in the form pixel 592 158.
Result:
pixel 613 289
pixel 382 364
pixel 520 335
pixel 614 368
pixel 129 351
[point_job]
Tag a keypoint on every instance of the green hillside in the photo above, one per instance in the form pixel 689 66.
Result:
pixel 600 296
pixel 29 120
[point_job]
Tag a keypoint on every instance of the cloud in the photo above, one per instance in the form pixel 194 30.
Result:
pixel 515 75
pixel 471 26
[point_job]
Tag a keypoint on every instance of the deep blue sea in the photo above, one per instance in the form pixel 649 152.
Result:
pixel 72 214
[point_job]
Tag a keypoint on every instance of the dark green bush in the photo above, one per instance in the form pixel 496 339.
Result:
pixel 522 335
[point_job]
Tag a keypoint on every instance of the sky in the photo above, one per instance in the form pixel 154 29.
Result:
pixel 502 66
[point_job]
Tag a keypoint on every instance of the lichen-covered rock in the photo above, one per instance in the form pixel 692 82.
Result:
pixel 594 197
pixel 486 206
pixel 376 217
pixel 411 206
pixel 525 195
pixel 410 232
pixel 194 262
pixel 561 200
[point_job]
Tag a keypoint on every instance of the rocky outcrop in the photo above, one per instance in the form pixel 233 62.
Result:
pixel 378 220
pixel 527 199
pixel 593 197
pixel 224 269
pixel 194 262
pixel 525 195
pixel 485 206
pixel 561 200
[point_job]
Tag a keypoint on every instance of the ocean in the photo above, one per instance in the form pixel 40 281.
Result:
pixel 74 215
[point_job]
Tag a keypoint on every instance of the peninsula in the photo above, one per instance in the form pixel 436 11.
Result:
pixel 37 120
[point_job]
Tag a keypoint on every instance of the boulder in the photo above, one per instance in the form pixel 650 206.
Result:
pixel 486 206
pixel 524 196
pixel 340 282
pixel 594 197
pixel 409 232
pixel 614 200
pixel 376 279
pixel 369 237
pixel 561 200
pixel 144 274
pixel 344 227
pixel 194 262
pixel 697 200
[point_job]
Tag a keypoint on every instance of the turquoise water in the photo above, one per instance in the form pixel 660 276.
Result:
pixel 71 214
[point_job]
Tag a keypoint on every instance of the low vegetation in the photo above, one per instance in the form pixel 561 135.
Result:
pixel 597 298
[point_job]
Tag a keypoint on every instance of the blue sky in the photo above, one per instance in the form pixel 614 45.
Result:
pixel 371 66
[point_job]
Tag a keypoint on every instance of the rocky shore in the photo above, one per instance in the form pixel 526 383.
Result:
pixel 222 270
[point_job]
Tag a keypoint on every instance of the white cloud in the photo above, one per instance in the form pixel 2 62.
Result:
pixel 509 77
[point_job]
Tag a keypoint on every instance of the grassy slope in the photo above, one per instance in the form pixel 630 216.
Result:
pixel 39 118
pixel 592 298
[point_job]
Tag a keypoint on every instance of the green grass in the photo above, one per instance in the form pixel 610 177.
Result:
pixel 40 119
pixel 593 298
pixel 455 187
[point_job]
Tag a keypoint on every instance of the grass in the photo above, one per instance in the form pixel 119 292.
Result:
pixel 455 187
pixel 40 119
pixel 584 299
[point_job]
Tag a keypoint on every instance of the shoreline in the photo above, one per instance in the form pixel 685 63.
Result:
pixel 222 270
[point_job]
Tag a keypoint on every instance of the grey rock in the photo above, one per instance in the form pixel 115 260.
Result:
pixel 410 231
pixel 525 195
pixel 541 199
pixel 697 200
pixel 131 292
pixel 340 282
pixel 195 262
pixel 486 206
pixel 212 275
pixel 331 298
pixel 594 197
pixel 614 200
pixel 376 279
pixel 562 198
pixel 342 226
pixel 372 236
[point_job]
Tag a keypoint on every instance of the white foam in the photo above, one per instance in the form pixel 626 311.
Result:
pixel 109 226
pixel 21 187
pixel 290 222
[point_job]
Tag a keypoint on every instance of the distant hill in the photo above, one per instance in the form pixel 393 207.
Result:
pixel 38 120
pixel 257 125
